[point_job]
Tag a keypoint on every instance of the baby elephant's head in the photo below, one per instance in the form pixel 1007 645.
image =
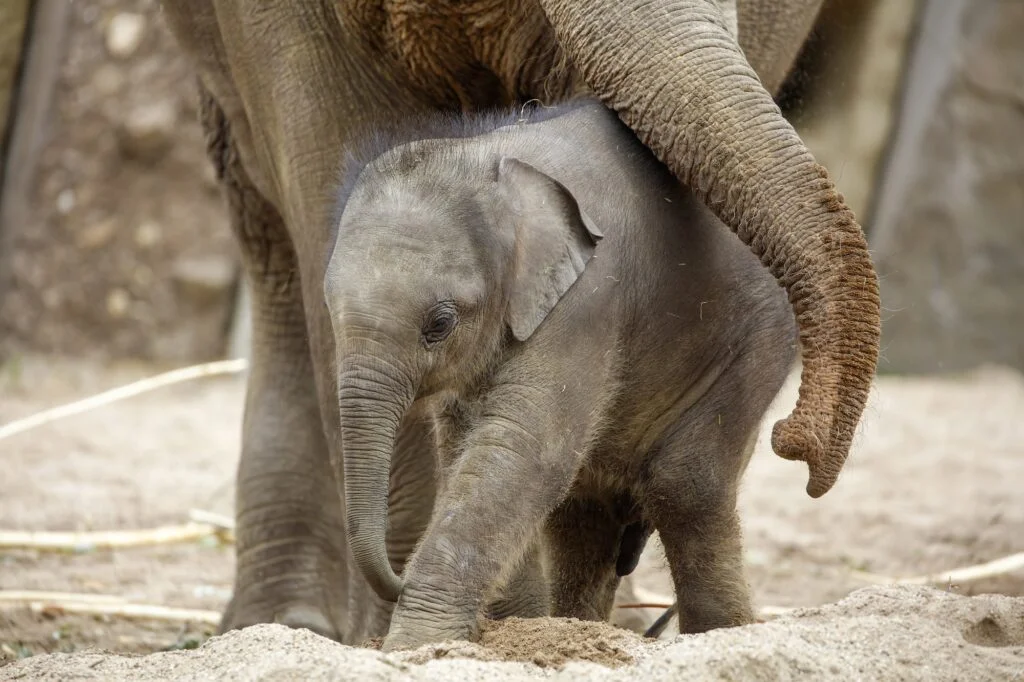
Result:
pixel 443 250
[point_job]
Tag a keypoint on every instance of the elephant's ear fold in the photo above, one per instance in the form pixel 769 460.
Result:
pixel 554 240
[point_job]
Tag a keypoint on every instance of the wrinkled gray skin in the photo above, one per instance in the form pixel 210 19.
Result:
pixel 285 86
pixel 594 349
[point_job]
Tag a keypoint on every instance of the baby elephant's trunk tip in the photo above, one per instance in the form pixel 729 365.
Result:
pixel 375 568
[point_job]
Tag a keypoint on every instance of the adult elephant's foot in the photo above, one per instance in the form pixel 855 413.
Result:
pixel 287 571
pixel 290 566
pixel 309 616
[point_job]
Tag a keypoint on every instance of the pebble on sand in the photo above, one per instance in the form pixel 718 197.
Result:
pixel 124 34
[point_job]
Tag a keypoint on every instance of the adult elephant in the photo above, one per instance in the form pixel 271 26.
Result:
pixel 286 86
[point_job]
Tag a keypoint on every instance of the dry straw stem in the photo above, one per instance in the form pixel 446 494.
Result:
pixel 103 605
pixel 120 393
pixel 22 596
pixel 212 518
pixel 1007 564
pixel 109 539
pixel 764 611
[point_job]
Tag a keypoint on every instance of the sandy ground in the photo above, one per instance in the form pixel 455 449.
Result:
pixel 934 482
pixel 876 634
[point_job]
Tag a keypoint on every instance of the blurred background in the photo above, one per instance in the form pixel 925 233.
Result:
pixel 113 243
pixel 116 261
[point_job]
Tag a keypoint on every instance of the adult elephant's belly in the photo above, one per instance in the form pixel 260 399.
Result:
pixel 466 54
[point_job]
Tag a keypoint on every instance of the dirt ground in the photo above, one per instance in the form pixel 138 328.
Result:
pixel 125 251
pixel 933 483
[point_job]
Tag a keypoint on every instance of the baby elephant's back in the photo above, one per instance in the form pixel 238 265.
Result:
pixel 690 290
pixel 679 279
pixel 687 300
pixel 700 262
pixel 674 257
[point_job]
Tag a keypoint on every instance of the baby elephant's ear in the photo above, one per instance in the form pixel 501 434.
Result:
pixel 554 240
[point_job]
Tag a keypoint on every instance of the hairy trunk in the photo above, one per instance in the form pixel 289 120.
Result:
pixel 677 77
pixel 372 398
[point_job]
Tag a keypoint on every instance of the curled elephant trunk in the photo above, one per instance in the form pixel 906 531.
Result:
pixel 676 75
pixel 372 397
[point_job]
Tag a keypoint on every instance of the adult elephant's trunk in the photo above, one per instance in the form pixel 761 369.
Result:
pixel 372 397
pixel 678 78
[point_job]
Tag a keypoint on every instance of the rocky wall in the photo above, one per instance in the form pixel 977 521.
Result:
pixel 121 248
pixel 948 232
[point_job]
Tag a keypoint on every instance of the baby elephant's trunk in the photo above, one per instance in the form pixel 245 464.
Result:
pixel 372 398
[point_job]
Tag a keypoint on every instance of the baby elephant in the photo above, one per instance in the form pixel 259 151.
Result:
pixel 594 349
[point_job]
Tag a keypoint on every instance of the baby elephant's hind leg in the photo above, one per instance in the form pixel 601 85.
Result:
pixel 584 548
pixel 526 594
pixel 691 499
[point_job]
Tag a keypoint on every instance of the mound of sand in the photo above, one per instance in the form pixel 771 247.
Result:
pixel 877 633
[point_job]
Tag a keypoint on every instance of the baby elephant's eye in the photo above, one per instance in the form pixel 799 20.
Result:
pixel 441 321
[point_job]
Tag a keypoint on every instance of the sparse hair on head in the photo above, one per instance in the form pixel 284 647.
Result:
pixel 436 125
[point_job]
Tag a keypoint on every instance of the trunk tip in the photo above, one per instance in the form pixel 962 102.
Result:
pixel 371 558
pixel 794 441
pixel 386 584
pixel 816 487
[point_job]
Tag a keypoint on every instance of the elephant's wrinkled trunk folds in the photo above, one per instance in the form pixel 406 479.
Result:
pixel 676 76
pixel 372 397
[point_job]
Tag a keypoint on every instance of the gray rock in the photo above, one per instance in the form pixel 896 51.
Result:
pixel 204 280
pixel 118 302
pixel 66 201
pixel 108 79
pixel 124 34
pixel 96 235
pixel 148 234
pixel 147 132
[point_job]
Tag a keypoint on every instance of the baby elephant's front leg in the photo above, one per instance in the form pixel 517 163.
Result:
pixel 500 491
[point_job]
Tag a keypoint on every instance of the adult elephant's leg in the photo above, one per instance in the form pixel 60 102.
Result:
pixel 305 82
pixel 290 538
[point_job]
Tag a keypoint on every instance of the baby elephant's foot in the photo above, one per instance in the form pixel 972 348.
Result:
pixel 701 612
pixel 404 637
pixel 416 622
